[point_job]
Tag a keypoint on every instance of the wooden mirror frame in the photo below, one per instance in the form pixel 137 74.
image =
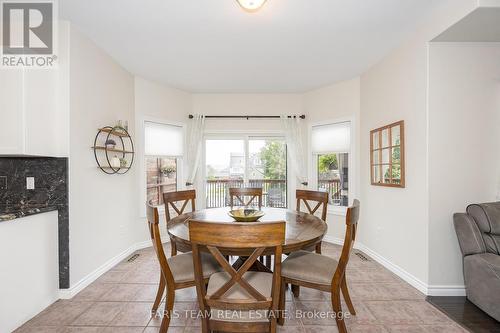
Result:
pixel 378 149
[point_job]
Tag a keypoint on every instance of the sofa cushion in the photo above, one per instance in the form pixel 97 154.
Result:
pixel 487 218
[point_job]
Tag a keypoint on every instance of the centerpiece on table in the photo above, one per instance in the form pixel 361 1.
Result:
pixel 246 214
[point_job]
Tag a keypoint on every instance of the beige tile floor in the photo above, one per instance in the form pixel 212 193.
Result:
pixel 120 302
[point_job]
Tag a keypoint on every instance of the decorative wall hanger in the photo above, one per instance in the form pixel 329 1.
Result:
pixel 113 150
pixel 387 155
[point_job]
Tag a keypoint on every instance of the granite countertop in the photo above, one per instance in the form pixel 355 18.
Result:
pixel 8 213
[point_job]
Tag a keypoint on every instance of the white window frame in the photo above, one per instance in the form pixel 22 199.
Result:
pixel 142 160
pixel 313 161
pixel 244 135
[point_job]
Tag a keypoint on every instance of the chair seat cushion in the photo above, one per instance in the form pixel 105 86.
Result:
pixel 182 266
pixel 261 281
pixel 309 267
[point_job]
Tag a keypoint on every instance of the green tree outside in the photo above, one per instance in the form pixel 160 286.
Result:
pixel 328 162
pixel 273 157
pixel 396 166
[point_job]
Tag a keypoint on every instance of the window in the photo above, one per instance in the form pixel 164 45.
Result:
pixel 333 170
pixel 161 177
pixel 163 146
pixel 387 155
pixel 331 145
pixel 248 161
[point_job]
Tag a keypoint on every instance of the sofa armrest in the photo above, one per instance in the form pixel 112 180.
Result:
pixel 482 280
pixel 469 235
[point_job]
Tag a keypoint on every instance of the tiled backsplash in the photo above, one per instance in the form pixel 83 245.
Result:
pixel 50 190
pixel 50 181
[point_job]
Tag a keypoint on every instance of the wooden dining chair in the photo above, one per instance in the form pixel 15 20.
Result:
pixel 312 270
pixel 254 296
pixel 321 200
pixel 176 272
pixel 170 200
pixel 252 192
pixel 241 193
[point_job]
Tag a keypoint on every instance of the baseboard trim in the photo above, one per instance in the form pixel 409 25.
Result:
pixel 428 290
pixel 403 274
pixel 334 240
pixel 446 290
pixel 87 280
pixel 143 245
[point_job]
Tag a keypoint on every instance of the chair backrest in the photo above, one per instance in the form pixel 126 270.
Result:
pixel 171 198
pixel 237 236
pixel 241 193
pixel 153 220
pixel 320 197
pixel 351 221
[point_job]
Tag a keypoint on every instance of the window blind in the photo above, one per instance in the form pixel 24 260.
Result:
pixel 163 140
pixel 331 138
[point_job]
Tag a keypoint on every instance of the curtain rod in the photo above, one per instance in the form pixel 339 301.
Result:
pixel 248 117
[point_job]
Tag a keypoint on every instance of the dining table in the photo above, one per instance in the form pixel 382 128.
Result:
pixel 303 231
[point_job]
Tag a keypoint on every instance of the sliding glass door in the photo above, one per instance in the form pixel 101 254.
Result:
pixel 266 168
pixel 224 168
pixel 246 162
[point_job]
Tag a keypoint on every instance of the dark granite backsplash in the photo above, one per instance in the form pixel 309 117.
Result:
pixel 50 193
pixel 50 181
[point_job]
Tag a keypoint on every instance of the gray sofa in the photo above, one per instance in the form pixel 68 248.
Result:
pixel 478 233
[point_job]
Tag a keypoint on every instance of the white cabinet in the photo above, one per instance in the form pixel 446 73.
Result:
pixel 32 121
pixel 11 112
pixel 29 278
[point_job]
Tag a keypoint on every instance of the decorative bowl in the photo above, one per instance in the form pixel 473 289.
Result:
pixel 246 214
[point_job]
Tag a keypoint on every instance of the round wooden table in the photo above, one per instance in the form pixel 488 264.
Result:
pixel 302 230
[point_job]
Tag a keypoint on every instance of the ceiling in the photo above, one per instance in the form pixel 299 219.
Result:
pixel 214 46
pixel 482 25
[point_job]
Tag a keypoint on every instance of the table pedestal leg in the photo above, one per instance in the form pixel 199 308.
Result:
pixel 256 267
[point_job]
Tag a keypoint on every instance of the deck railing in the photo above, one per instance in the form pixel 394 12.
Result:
pixel 274 191
pixel 332 186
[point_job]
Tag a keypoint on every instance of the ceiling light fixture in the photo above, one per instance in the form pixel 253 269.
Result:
pixel 251 5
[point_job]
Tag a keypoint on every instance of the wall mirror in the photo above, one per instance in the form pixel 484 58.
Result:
pixel 387 155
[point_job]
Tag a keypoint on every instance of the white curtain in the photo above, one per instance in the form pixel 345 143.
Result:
pixel 295 145
pixel 194 147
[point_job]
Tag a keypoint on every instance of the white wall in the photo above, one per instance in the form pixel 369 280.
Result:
pixel 102 207
pixel 334 102
pixel 394 221
pixel 464 127
pixel 246 104
pixel 29 278
pixel 159 101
